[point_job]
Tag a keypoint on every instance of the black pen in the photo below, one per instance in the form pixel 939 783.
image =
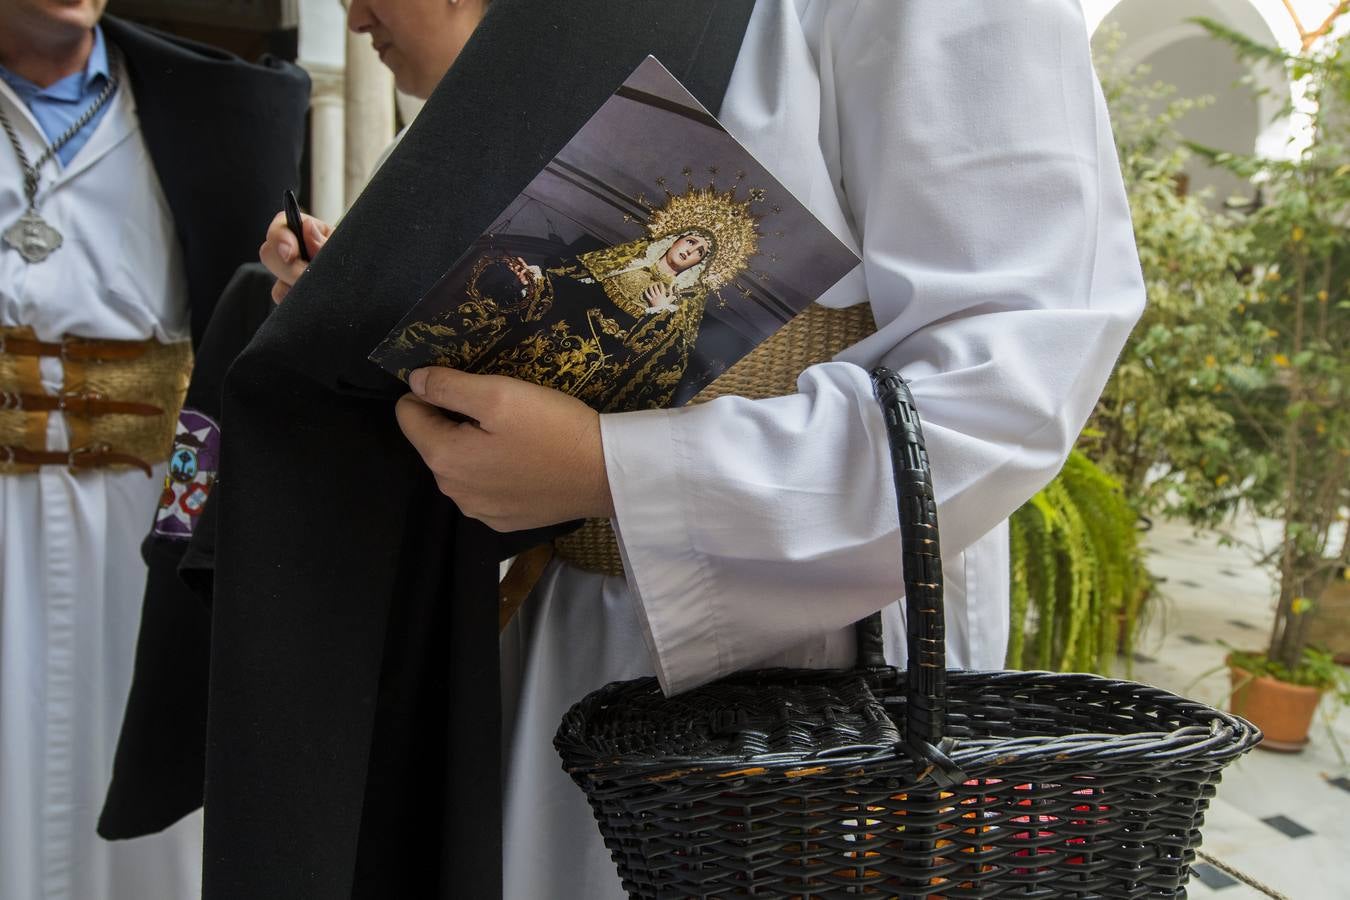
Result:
pixel 294 222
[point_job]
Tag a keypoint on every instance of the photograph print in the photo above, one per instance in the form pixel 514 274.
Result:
pixel 649 255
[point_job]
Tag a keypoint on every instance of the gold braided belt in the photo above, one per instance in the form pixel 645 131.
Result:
pixel 817 335
pixel 120 401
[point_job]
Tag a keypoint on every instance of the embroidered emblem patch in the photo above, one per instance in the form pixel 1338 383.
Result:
pixel 192 472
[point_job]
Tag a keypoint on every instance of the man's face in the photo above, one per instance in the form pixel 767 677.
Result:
pixel 417 39
pixel 50 20
pixel 687 252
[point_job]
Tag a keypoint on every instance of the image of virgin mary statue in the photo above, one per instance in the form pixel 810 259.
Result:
pixel 613 326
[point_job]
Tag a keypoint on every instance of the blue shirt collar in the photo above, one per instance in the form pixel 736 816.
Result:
pixel 72 88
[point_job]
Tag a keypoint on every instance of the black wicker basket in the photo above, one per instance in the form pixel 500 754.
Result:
pixel 878 782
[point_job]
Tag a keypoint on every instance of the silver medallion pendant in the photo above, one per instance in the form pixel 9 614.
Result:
pixel 33 237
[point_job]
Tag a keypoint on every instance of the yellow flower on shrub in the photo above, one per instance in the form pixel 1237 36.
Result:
pixel 1280 360
pixel 1221 480
pixel 1297 234
pixel 1211 361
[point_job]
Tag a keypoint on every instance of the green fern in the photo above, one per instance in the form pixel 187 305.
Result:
pixel 1077 573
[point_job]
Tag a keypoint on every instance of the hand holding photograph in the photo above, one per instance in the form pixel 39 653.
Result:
pixel 588 285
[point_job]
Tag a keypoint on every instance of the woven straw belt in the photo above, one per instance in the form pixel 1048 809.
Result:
pixel 817 335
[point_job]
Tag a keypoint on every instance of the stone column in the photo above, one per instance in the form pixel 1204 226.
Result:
pixel 327 177
pixel 370 112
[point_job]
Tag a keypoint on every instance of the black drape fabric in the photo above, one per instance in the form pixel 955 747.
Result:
pixel 160 761
pixel 353 736
pixel 225 137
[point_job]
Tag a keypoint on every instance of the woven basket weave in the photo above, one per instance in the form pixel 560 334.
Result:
pixel 879 782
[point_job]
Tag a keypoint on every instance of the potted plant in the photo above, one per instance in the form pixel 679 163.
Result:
pixel 1287 386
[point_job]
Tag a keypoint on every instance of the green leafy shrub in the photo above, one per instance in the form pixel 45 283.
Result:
pixel 1158 427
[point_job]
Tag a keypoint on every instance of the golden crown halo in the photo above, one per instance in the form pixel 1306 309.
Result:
pixel 730 222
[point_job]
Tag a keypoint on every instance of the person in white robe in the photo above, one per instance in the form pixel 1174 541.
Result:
pixel 112 258
pixel 71 577
pixel 965 151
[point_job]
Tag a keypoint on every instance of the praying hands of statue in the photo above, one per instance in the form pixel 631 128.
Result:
pixel 281 254
pixel 530 456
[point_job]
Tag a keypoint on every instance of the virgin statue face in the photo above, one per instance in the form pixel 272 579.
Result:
pixel 688 251
pixel 417 39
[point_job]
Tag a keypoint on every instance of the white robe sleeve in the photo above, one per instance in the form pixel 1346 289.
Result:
pixel 976 159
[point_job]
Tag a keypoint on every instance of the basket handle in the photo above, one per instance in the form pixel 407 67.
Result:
pixel 921 562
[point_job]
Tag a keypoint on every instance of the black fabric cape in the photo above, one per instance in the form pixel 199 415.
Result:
pixel 353 738
pixel 225 138
pixel 160 763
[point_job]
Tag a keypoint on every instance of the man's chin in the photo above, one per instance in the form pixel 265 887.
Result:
pixel 78 13
pixel 66 21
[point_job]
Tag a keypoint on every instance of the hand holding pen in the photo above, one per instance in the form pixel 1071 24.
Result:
pixel 293 239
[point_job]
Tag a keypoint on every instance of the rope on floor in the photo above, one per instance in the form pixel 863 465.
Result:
pixel 1241 876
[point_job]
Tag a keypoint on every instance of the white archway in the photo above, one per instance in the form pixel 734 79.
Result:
pixel 1271 21
pixel 1159 33
pixel 1241 14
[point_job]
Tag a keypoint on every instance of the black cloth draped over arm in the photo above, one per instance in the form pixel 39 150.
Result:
pixel 159 767
pixel 225 137
pixel 353 741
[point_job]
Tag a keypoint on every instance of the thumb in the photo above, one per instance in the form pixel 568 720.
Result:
pixel 316 234
pixel 476 396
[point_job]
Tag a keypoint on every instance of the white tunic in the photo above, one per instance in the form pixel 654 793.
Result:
pixel 964 149
pixel 71 576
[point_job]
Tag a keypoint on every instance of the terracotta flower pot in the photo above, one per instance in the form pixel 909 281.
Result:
pixel 1283 711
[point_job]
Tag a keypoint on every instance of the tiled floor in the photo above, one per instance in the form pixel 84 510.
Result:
pixel 1282 819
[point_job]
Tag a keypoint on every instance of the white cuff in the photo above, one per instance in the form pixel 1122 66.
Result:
pixel 651 522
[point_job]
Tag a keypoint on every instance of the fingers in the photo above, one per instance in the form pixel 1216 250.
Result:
pixel 519 269
pixel 446 448
pixel 280 252
pixel 316 234
pixel 428 430
pixel 478 396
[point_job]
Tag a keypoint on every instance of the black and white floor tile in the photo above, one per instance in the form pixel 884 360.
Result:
pixel 1282 820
